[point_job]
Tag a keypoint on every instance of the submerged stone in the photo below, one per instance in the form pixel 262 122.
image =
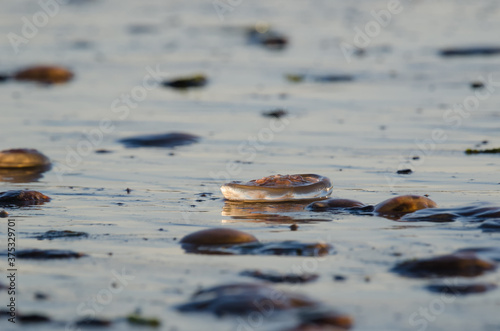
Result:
pixel 136 319
pixel 332 78
pixel 321 78
pixel 462 289
pixel 48 254
pixel 452 265
pixel 22 158
pixel 488 226
pixel 403 204
pixel 275 277
pixel 475 213
pixel 93 323
pixel 22 198
pixel 470 51
pixel 198 80
pixel 218 236
pixel 335 204
pixel 324 320
pixel 276 113
pixel 488 253
pixel 168 140
pixel 263 34
pixel 233 242
pixel 44 74
pixel 279 188
pixel 243 299
pixel 33 318
pixel 53 234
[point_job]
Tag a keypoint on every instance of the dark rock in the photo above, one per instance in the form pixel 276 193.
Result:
pixel 463 289
pixel 477 85
pixel 473 213
pixel 339 278
pixel 243 299
pixel 267 37
pixel 41 296
pixel 187 82
pixel 53 234
pixel 277 113
pixel 168 140
pixel 453 265
pixel 470 51
pixel 488 253
pixel 491 226
pixel 280 278
pixel 289 248
pixel 404 172
pixel 22 198
pixel 33 318
pixel 324 320
pixel 334 204
pixel 93 323
pixel 39 254
pixel 333 78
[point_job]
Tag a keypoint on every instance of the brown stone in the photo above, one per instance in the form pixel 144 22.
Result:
pixel 452 265
pixel 22 198
pixel 44 74
pixel 404 204
pixel 218 236
pixel 22 158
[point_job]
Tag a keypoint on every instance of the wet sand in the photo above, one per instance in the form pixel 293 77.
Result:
pixel 358 133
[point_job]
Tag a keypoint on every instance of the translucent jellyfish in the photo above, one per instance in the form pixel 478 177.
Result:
pixel 279 188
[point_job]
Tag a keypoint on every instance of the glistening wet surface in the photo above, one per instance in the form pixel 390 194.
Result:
pixel 389 106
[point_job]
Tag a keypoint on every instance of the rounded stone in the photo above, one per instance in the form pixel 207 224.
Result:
pixel 44 74
pixel 218 236
pixel 452 265
pixel 22 158
pixel 334 204
pixel 404 204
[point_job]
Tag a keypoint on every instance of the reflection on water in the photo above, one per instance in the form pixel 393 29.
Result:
pixel 23 175
pixel 288 247
pixel 267 212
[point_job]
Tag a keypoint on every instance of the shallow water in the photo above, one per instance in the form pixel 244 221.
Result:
pixel 357 133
